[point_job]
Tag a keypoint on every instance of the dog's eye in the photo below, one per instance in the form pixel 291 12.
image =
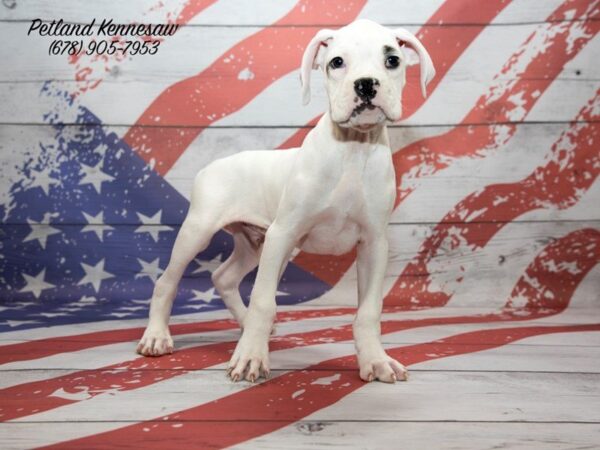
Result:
pixel 336 63
pixel 392 61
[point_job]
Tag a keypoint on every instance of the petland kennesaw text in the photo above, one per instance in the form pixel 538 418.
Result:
pixel 105 28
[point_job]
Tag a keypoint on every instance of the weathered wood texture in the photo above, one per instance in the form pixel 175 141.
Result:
pixel 495 235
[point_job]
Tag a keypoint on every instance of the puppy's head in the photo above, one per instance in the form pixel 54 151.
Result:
pixel 365 68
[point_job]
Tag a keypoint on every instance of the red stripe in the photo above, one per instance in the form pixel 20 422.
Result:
pixel 327 268
pixel 330 269
pixel 572 167
pixel 42 348
pixel 271 406
pixel 34 397
pixel 556 272
pixel 217 91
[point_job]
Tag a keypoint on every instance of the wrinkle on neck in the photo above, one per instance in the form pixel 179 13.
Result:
pixel 372 136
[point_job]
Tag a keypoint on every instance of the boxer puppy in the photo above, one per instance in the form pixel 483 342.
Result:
pixel 334 192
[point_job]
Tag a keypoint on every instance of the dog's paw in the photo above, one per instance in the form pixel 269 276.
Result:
pixel 250 359
pixel 382 368
pixel 156 341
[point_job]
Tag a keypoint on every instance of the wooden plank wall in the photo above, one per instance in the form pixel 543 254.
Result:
pixel 461 184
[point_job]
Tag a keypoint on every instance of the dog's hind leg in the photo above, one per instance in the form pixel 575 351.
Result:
pixel 193 237
pixel 227 278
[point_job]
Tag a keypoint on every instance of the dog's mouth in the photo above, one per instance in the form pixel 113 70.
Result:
pixel 365 108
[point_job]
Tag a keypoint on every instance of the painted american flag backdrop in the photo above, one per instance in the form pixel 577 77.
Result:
pixel 494 241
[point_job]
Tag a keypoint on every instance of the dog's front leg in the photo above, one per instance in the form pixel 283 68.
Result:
pixel 373 361
pixel 250 358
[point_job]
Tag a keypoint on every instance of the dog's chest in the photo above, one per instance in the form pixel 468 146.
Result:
pixel 337 222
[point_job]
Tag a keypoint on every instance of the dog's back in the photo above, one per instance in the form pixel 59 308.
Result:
pixel 244 187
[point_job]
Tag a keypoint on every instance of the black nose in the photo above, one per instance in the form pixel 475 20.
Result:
pixel 364 87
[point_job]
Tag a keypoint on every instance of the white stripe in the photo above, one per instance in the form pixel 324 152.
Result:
pixel 423 435
pixel 586 296
pixel 560 352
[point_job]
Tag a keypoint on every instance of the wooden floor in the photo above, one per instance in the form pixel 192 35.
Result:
pixel 484 385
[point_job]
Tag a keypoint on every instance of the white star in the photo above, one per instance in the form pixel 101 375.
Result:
pixel 152 225
pixel 43 181
pixel 95 176
pixel 96 224
pixel 101 150
pixel 205 297
pixel 208 266
pixel 40 232
pixel 36 284
pixel 94 275
pixel 150 270
pixel 281 294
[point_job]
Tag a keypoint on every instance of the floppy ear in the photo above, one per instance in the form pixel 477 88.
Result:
pixel 409 44
pixel 309 61
pixel 410 56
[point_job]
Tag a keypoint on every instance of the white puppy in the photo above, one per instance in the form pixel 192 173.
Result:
pixel 334 192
